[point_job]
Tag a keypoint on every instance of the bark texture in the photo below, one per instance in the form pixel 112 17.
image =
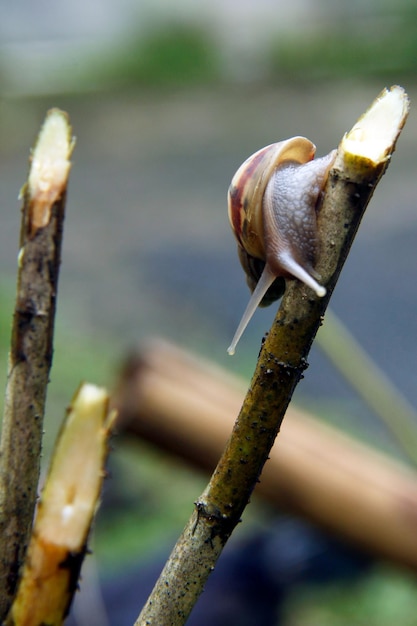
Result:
pixel 30 356
pixel 362 158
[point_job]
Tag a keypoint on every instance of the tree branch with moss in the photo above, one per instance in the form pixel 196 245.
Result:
pixel 362 158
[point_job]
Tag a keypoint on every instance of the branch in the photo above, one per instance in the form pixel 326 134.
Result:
pixel 31 344
pixel 313 470
pixel 371 384
pixel 65 512
pixel 362 158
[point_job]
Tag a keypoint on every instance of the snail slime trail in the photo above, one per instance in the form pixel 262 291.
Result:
pixel 272 203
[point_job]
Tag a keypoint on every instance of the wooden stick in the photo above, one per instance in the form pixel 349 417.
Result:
pixel 30 356
pixel 362 158
pixel 65 512
pixel 187 407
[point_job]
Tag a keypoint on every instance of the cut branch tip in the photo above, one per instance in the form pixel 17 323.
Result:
pixel 374 135
pixel 50 165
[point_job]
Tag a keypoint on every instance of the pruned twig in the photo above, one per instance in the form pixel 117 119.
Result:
pixel 371 383
pixel 65 512
pixel 362 158
pixel 31 346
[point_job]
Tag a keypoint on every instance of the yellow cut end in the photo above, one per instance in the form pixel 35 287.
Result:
pixel 70 494
pixel 50 165
pixel 376 131
pixel 69 501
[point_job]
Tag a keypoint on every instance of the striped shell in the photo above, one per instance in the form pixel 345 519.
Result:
pixel 248 186
pixel 272 203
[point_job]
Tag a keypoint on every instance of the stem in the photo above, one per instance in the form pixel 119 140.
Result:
pixel 362 158
pixel 31 344
pixel 65 512
pixel 370 383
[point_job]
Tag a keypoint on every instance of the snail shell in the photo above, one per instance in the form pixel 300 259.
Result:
pixel 272 210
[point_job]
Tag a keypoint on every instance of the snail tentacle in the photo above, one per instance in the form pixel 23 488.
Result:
pixel 272 204
pixel 264 283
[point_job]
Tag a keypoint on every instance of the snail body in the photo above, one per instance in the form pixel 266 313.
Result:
pixel 272 210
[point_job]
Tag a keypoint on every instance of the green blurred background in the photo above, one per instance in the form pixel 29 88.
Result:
pixel 166 100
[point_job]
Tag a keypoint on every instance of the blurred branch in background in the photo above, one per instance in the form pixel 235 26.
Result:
pixel 187 406
pixel 370 383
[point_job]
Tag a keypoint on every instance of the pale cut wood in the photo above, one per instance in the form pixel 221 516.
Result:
pixel 187 407
pixel 65 512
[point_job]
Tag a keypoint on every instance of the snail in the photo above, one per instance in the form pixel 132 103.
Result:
pixel 272 210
